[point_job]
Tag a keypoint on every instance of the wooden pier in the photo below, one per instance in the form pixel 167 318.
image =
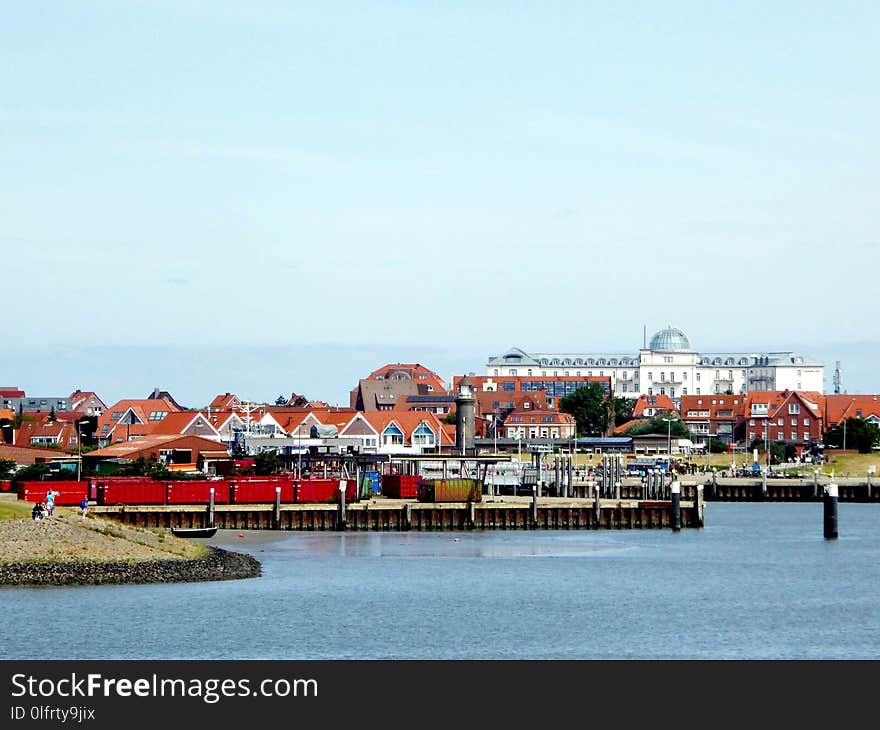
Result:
pixel 381 515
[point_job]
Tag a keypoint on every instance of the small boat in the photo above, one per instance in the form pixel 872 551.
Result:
pixel 194 531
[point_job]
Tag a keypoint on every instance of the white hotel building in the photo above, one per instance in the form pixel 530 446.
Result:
pixel 668 366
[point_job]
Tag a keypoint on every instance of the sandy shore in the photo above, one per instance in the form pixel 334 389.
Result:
pixel 71 549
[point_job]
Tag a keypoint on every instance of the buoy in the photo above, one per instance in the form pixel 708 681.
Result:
pixel 240 535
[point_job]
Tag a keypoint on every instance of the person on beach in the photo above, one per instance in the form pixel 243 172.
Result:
pixel 50 501
pixel 38 512
pixel 84 506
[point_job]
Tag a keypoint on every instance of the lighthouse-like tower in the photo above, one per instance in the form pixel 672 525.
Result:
pixel 465 416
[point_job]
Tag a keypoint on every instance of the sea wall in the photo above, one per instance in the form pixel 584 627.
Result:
pixel 216 564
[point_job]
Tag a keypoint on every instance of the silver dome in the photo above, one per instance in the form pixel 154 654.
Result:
pixel 670 339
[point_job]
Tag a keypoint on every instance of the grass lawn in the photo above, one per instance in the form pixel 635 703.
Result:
pixel 854 465
pixel 14 510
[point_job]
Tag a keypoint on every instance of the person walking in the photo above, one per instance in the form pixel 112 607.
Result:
pixel 50 501
pixel 84 506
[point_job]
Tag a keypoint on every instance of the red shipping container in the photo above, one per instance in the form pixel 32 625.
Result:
pixel 197 492
pixel 317 490
pixel 5 486
pixel 401 486
pixel 262 492
pixel 145 492
pixel 66 493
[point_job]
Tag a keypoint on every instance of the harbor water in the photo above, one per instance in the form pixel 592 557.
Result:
pixel 758 582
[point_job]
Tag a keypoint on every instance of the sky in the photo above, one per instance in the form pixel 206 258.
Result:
pixel 337 185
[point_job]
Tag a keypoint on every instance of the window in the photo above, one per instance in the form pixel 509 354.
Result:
pixel 512 371
pixel 672 392
pixel 650 391
pixel 115 415
pixel 698 391
pixel 794 408
pixel 780 422
pixel 624 387
pixel 794 436
pixel 698 377
pixel 794 421
pixel 717 375
pixel 684 391
pixel 650 375
pixel 578 373
pixel 684 375
pixel 667 359
pixel 392 435
pixel 751 421
pixel 662 391
pixel 806 422
pixel 495 371
pixel 780 436
pixel 806 435
pixel 423 436
pixel 730 374
pixel 158 415
pixel 751 435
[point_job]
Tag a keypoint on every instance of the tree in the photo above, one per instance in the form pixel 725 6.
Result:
pixel 860 434
pixel 449 417
pixel 590 408
pixel 7 469
pixel 300 401
pixel 52 415
pixel 623 408
pixel 280 400
pixel 717 447
pixel 675 429
pixel 266 463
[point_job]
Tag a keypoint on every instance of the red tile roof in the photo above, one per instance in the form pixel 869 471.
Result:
pixel 26 456
pixel 660 404
pixel 839 407
pixel 407 421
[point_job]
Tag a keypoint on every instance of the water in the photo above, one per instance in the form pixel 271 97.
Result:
pixel 759 582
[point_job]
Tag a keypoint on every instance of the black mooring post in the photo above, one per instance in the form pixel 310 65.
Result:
pixel 676 506
pixel 211 507
pixel 830 509
pixel 276 515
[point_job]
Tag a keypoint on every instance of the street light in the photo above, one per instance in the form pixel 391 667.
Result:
pixel 669 436
pixel 79 449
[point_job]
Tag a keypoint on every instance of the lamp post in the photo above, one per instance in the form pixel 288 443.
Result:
pixel 669 436
pixel 79 450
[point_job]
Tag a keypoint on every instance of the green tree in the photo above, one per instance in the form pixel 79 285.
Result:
pixel 675 429
pixel 623 408
pixel 280 400
pixel 590 408
pixel 860 434
pixel 717 447
pixel 52 415
pixel 449 417
pixel 266 463
pixel 7 469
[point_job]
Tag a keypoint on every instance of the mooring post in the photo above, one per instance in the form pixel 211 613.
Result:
pixel 714 481
pixel 341 504
pixel 699 504
pixel 675 488
pixel 276 517
pixel 534 505
pixel 871 470
pixel 830 509
pixel 570 491
pixel 211 507
pixel 815 484
pixel 617 486
pixel 407 516
pixel 472 515
pixel 596 508
pixel 764 482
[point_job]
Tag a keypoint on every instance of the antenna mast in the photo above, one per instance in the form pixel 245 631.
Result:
pixel 837 377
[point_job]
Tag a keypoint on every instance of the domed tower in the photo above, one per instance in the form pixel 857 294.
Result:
pixel 465 417
pixel 670 340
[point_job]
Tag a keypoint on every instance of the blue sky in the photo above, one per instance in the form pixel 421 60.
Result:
pixel 449 178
